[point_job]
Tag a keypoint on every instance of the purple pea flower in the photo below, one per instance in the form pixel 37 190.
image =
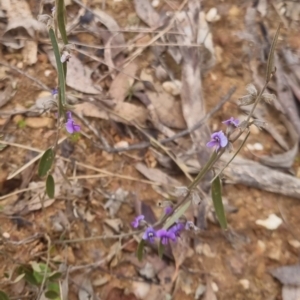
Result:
pixel 149 235
pixel 71 127
pixel 218 140
pixel 137 221
pixel 54 92
pixel 168 210
pixel 232 122
pixel 165 236
pixel 177 228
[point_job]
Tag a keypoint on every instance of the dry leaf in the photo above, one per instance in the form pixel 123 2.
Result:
pixel 110 23
pixel 147 13
pixel 128 112
pixel 290 293
pixel 6 94
pixel 122 83
pixel 78 76
pixel 156 175
pixel 287 275
pixel 20 23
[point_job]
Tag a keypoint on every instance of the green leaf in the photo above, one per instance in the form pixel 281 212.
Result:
pixel 270 65
pixel 140 250
pixel 61 20
pixel 51 294
pixel 60 68
pixel 3 296
pixel 177 214
pixel 161 249
pixel 46 162
pixel 55 275
pixel 218 204
pixel 50 186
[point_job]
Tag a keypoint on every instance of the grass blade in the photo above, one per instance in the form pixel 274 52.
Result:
pixel 60 4
pixel 177 214
pixel 270 64
pixel 60 68
pixel 140 250
pixel 218 204
pixel 161 250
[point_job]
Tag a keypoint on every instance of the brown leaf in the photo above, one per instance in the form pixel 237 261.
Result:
pixel 6 94
pixel 287 275
pixel 20 23
pixel 123 82
pixel 78 75
pixel 290 293
pixel 156 175
pixel 147 13
pixel 110 23
pixel 128 112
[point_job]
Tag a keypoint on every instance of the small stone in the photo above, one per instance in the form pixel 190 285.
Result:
pixel 207 251
pixel 47 73
pixel 294 243
pixel 172 87
pixel 258 147
pixel 261 247
pixel 70 256
pixel 212 15
pixel 200 291
pixel 6 235
pixel 40 122
pixel 254 130
pixel 155 3
pixel 275 254
pixel 121 144
pixel 245 283
pixel 214 287
pixel 161 73
pixel 271 223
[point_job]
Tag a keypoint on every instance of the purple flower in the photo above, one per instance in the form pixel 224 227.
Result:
pixel 149 235
pixel 168 210
pixel 165 236
pixel 177 228
pixel 54 92
pixel 218 139
pixel 232 122
pixel 137 221
pixel 71 127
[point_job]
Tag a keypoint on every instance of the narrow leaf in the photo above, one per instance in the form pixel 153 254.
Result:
pixel 46 162
pixel 60 68
pixel 177 214
pixel 51 294
pixel 50 186
pixel 3 296
pixel 270 64
pixel 218 204
pixel 55 275
pixel 140 250
pixel 161 249
pixel 60 4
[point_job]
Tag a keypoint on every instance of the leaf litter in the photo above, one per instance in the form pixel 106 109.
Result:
pixel 185 108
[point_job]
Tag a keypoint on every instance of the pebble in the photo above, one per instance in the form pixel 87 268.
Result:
pixel 214 287
pixel 155 3
pixel 212 15
pixel 172 87
pixel 47 73
pixel 271 223
pixel 245 283
pixel 40 122
pixel 207 251
pixel 256 146
pixel 200 291
pixel 6 235
pixel 294 243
